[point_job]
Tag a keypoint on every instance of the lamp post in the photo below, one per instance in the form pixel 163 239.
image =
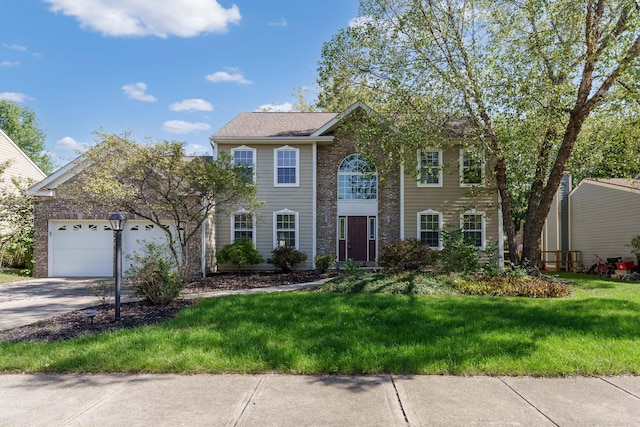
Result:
pixel 117 225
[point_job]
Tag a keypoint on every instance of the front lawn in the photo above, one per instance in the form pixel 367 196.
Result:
pixel 596 331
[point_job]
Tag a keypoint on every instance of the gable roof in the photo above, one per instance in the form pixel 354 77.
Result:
pixel 273 125
pixel 622 184
pixel 47 186
pixel 20 164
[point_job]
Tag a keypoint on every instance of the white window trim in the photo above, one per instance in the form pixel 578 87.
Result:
pixel 275 166
pixel 275 225
pixel 233 228
pixel 461 169
pixel 419 230
pixel 484 226
pixel 255 157
pixel 419 178
pixel 340 173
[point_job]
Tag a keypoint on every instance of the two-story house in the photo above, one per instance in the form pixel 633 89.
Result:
pixel 321 197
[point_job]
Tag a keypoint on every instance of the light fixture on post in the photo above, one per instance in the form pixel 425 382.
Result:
pixel 117 225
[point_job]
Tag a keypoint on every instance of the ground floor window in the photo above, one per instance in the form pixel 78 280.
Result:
pixel 429 226
pixel 472 225
pixel 243 227
pixel 286 229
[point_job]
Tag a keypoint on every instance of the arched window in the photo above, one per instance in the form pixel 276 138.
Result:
pixel 357 179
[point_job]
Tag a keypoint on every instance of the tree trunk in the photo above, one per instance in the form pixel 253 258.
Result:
pixel 505 203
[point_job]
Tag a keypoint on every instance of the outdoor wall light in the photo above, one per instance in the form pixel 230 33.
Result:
pixel 117 225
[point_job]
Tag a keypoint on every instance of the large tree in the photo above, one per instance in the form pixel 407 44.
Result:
pixel 522 76
pixel 21 125
pixel 156 181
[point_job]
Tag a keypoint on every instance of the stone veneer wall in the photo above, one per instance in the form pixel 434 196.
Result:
pixel 329 158
pixel 52 208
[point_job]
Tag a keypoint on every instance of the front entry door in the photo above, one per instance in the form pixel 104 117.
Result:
pixel 357 238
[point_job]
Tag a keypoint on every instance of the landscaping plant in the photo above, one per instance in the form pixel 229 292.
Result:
pixel 155 276
pixel 286 258
pixel 458 254
pixel 407 255
pixel 239 253
pixel 324 262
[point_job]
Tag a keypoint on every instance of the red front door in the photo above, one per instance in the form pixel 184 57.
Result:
pixel 357 238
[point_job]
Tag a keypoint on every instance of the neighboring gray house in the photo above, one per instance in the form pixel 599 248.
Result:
pixel 602 215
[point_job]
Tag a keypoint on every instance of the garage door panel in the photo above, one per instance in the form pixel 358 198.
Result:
pixel 85 248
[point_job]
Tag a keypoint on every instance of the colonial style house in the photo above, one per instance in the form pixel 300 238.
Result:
pixel 319 196
pixel 322 197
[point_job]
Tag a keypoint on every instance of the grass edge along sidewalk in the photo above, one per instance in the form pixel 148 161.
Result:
pixel 596 331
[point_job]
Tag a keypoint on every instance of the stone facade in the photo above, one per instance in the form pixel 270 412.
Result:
pixel 329 159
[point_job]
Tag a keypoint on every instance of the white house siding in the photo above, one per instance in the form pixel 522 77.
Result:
pixel 603 219
pixel 298 199
pixel 20 165
pixel 451 200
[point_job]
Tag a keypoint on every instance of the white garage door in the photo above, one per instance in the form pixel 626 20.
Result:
pixel 84 248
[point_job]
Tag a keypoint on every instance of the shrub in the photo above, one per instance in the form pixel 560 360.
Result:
pixel 351 269
pixel 239 253
pixel 635 247
pixel 530 287
pixel 286 258
pixel 325 262
pixel 407 255
pixel 155 277
pixel 458 254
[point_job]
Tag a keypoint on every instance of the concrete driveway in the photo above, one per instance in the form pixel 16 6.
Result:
pixel 28 301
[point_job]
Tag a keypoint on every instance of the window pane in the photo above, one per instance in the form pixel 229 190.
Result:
pixel 471 168
pixel 472 228
pixel 286 166
pixel 286 230
pixel 430 230
pixel 242 227
pixel 286 175
pixel 430 167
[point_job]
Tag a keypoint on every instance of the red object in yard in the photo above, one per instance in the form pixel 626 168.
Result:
pixel 625 265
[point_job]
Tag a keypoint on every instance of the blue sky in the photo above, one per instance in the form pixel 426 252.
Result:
pixel 165 69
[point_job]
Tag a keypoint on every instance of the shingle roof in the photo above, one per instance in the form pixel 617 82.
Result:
pixel 273 124
pixel 621 182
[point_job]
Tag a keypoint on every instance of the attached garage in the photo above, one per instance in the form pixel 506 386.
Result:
pixel 84 248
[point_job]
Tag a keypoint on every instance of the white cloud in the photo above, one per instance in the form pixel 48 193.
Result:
pixel 14 96
pixel 191 105
pixel 281 23
pixel 9 63
pixel 180 126
pixel 225 77
pixel 197 150
pixel 182 18
pixel 282 108
pixel 15 46
pixel 138 91
pixel 71 144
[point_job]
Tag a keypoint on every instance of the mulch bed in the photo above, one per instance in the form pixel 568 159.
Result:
pixel 135 314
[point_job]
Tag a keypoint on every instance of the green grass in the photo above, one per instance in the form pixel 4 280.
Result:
pixel 12 275
pixel 594 332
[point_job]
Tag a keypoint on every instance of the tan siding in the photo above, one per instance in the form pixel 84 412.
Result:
pixel 603 221
pixel 450 199
pixel 20 165
pixel 298 199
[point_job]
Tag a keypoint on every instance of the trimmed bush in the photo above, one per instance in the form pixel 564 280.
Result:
pixel 407 255
pixel 324 263
pixel 239 253
pixel 154 276
pixel 286 258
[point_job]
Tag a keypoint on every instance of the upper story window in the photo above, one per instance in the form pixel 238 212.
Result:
pixel 357 179
pixel 429 226
pixel 429 168
pixel 471 167
pixel 473 227
pixel 286 169
pixel 243 227
pixel 245 156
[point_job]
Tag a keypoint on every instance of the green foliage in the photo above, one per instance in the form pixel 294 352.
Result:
pixel 16 222
pixel 491 267
pixel 458 254
pixel 529 287
pixel 157 182
pixel 154 276
pixel 239 253
pixel 286 258
pixel 351 269
pixel 325 262
pixel 635 246
pixel 406 255
pixel 21 125
pixel 402 283
pixel 103 290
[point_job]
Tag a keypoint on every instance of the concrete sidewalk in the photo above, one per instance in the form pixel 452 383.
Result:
pixel 286 400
